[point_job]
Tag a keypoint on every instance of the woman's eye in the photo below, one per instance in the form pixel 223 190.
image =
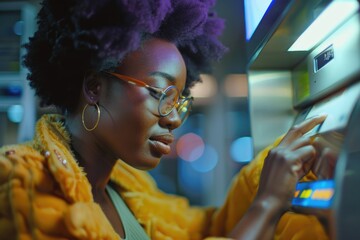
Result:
pixel 154 93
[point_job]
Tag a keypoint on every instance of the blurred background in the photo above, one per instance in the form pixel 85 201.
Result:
pixel 254 94
pixel 211 147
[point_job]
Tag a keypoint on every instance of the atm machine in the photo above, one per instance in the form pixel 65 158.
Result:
pixel 298 70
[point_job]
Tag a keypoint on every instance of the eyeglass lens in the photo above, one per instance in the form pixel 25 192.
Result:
pixel 184 109
pixel 170 99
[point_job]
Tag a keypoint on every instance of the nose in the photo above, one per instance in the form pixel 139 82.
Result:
pixel 171 121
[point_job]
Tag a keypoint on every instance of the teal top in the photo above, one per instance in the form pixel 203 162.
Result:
pixel 132 228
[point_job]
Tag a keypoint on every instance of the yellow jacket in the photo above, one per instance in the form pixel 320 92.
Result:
pixel 44 194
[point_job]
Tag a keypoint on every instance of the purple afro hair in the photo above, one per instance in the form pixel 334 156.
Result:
pixel 74 36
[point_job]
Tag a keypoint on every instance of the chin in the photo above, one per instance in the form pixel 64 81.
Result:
pixel 148 164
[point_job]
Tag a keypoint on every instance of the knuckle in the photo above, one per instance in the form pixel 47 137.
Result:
pixel 296 129
pixel 279 153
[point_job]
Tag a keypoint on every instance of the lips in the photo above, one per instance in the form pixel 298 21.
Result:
pixel 160 144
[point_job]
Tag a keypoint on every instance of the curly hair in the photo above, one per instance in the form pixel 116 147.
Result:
pixel 74 36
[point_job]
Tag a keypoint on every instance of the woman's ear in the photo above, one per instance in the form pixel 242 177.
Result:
pixel 91 87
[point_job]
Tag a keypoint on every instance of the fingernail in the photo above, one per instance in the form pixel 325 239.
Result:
pixel 318 116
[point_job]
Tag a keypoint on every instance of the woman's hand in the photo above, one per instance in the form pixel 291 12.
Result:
pixel 327 150
pixel 283 167
pixel 287 163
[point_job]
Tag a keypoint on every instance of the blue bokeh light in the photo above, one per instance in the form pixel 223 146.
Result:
pixel 207 161
pixel 241 150
pixel 15 113
pixel 19 28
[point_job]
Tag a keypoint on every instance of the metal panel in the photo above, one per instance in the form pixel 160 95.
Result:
pixel 343 63
pixel 270 101
pixel 347 177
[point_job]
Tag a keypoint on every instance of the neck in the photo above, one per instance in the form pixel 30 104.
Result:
pixel 96 162
pixel 96 165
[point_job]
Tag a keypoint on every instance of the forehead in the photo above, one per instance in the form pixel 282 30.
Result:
pixel 155 55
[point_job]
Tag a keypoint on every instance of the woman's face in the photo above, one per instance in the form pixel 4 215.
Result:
pixel 130 126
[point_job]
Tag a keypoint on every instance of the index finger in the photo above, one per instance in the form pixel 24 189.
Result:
pixel 300 129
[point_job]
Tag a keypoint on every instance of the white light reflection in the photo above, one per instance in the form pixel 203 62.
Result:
pixel 335 14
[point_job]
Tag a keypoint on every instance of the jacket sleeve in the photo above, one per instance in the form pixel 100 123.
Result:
pixel 29 209
pixel 7 226
pixel 32 206
pixel 15 199
pixel 166 216
pixel 241 194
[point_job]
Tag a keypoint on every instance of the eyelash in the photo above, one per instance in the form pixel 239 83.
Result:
pixel 154 93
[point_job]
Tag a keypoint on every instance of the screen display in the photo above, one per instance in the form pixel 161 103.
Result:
pixel 254 12
pixel 338 108
pixel 328 140
pixel 323 58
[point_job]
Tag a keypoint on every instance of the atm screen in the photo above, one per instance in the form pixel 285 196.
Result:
pixel 328 141
pixel 319 194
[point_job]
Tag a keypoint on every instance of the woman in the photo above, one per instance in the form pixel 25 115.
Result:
pixel 120 71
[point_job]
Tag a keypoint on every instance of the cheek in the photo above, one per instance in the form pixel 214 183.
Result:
pixel 126 102
pixel 128 120
pixel 136 95
pixel 135 107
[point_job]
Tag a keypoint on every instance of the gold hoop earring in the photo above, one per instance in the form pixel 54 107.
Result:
pixel 97 120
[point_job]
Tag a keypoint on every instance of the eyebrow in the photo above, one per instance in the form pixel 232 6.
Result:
pixel 164 75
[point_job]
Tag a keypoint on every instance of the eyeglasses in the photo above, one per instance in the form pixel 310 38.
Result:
pixel 169 98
